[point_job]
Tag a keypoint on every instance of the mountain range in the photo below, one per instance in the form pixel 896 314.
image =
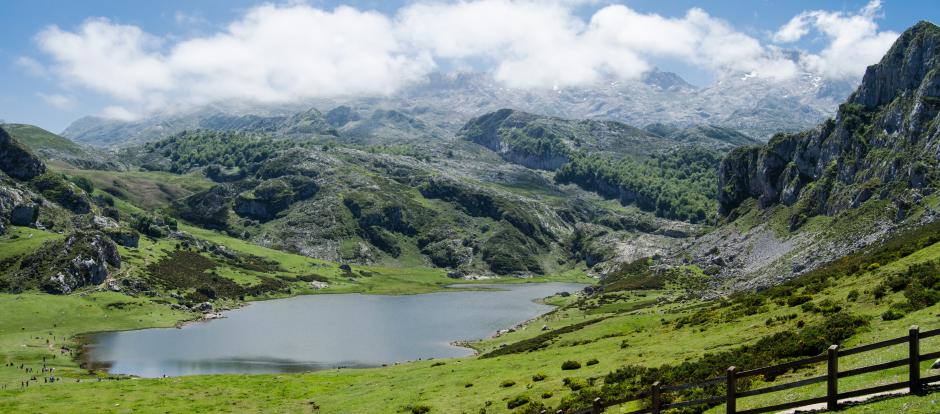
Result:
pixel 443 102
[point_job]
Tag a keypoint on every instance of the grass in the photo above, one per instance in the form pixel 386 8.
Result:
pixel 38 139
pixel 649 328
pixel 36 326
pixel 21 240
pixel 634 329
pixel 147 189
pixel 443 387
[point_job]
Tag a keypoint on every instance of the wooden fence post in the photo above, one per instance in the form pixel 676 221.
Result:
pixel 596 407
pixel 832 379
pixel 657 398
pixel 731 404
pixel 914 363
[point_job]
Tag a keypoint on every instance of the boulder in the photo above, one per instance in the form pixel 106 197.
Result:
pixel 104 223
pixel 204 307
pixel 24 214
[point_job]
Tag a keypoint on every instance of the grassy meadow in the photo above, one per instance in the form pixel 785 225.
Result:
pixel 646 328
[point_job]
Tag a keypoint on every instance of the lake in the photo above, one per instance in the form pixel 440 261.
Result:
pixel 309 333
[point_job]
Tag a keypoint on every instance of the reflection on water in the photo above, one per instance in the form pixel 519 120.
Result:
pixel 309 333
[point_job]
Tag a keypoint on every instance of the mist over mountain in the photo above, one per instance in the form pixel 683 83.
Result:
pixel 441 104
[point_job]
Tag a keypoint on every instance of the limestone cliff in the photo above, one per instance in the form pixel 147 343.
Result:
pixel 882 141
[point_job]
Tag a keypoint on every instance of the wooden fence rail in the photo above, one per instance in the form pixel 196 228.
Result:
pixel 914 382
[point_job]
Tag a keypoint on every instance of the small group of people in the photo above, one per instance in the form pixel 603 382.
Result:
pixel 30 370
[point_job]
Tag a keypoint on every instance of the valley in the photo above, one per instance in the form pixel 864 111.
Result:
pixel 460 247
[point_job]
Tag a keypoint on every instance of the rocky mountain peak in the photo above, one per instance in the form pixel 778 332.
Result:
pixel 884 137
pixel 913 57
pixel 667 81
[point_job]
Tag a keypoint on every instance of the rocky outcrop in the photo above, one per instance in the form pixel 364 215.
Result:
pixel 273 196
pixel 24 214
pixel 17 161
pixel 124 237
pixel 81 259
pixel 209 208
pixel 518 139
pixel 18 205
pixel 882 139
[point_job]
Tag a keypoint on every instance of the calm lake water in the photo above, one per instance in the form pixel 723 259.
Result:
pixel 308 333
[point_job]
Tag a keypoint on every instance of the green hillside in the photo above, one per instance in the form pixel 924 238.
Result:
pixel 44 142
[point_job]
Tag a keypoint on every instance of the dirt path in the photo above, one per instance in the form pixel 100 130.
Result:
pixel 821 407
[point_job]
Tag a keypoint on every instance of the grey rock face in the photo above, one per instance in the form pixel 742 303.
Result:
pixel 16 161
pixel 82 259
pixel 885 133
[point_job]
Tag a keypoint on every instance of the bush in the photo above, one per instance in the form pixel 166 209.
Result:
pixel 592 361
pixel 798 300
pixel 570 365
pixel 547 394
pixel 517 401
pixel 853 296
pixel 809 307
pixel 539 377
pixel 420 409
pixel 891 315
pixel 533 407
pixel 507 383
pixel 84 183
pixel 575 384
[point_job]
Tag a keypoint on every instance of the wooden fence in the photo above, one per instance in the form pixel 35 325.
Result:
pixel 915 382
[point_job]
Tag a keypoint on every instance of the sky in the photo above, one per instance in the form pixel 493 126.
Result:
pixel 65 59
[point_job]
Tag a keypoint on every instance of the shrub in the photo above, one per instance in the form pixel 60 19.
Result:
pixel 539 377
pixel 420 409
pixel 575 384
pixel 507 383
pixel 592 361
pixel 84 183
pixel 517 401
pixel 570 365
pixel 853 296
pixel 547 394
pixel 798 300
pixel 891 315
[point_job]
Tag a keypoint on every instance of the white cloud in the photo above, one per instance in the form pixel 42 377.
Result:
pixel 853 40
pixel 291 52
pixel 277 54
pixel 120 113
pixel 30 65
pixel 118 60
pixel 57 101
